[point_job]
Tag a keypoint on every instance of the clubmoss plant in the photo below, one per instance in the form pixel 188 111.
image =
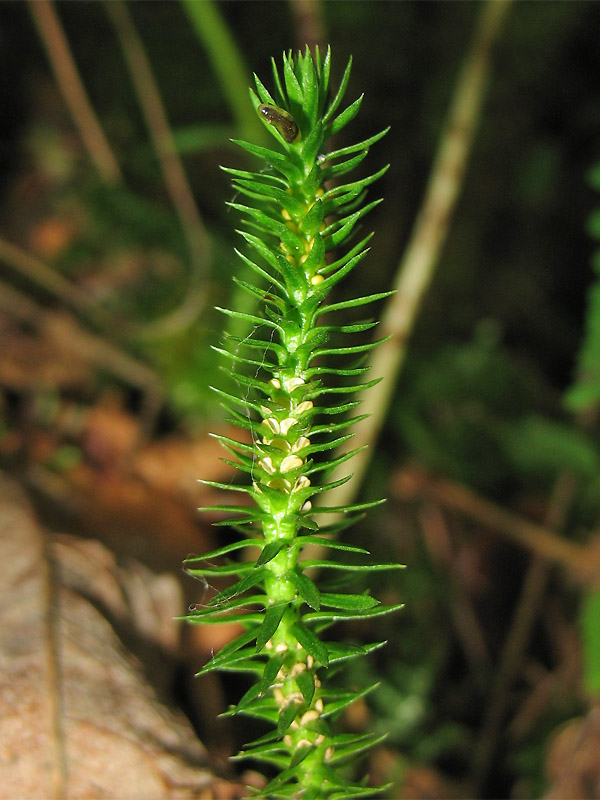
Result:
pixel 299 223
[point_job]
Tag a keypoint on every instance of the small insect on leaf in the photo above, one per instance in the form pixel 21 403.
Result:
pixel 282 121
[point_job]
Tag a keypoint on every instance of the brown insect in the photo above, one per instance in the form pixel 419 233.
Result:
pixel 282 121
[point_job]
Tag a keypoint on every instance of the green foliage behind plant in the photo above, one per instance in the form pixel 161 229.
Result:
pixel 585 392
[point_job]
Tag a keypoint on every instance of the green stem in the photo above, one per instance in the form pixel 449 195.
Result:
pixel 227 63
pixel 287 234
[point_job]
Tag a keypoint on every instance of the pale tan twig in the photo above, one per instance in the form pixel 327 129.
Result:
pixel 66 74
pixel 309 23
pixel 172 169
pixel 429 234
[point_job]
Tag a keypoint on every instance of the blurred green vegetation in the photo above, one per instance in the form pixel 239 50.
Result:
pixel 500 338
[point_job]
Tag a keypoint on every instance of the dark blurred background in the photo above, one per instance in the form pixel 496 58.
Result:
pixel 94 383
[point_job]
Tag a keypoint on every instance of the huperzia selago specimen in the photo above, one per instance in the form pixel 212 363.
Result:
pixel 299 222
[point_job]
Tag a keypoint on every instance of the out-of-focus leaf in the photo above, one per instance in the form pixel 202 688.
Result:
pixel 542 447
pixel 196 138
pixel 590 632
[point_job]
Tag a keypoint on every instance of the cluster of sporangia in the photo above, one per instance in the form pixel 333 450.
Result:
pixel 297 221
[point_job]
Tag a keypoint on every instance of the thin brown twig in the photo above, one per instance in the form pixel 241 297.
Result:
pixel 65 71
pixel 172 168
pixel 72 338
pixel 581 561
pixel 45 277
pixel 544 684
pixel 429 234
pixel 511 658
pixel 464 618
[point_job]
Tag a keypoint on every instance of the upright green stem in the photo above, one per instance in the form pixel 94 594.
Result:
pixel 227 62
pixel 291 222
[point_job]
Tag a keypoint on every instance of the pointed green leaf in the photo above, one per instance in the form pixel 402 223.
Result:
pixel 263 94
pixel 249 318
pixel 349 602
pixel 264 177
pixel 269 551
pixel 300 754
pixel 359 301
pixel 260 271
pixel 343 228
pixel 338 426
pixel 278 161
pixel 311 643
pixel 345 117
pixel 345 699
pixel 286 717
pixel 220 609
pixel 358 744
pixel 278 86
pixel 327 465
pixel 241 402
pixel 324 78
pixel 316 256
pixel 234 662
pixel 229 649
pixel 294 92
pixel 331 543
pixel 306 684
pixel 334 371
pixel 341 351
pixel 271 669
pixel 364 145
pixel 323 564
pixel 343 167
pixel 230 487
pixel 306 588
pixel 294 206
pixel 221 551
pixel 269 754
pixel 339 95
pixel 266 365
pixel 338 652
pixel 322 289
pixel 268 738
pixel 313 219
pixel 247 698
pixel 313 143
pixel 253 578
pixel 227 569
pixel 270 623
pixel 257 344
pixel 359 247
pixel 243 446
pixel 359 613
pixel 355 507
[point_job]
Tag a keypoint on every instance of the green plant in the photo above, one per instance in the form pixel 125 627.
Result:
pixel 584 394
pixel 297 213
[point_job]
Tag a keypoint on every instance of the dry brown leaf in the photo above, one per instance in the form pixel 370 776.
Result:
pixel 175 464
pixel 78 718
pixel 30 362
pixel 572 764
